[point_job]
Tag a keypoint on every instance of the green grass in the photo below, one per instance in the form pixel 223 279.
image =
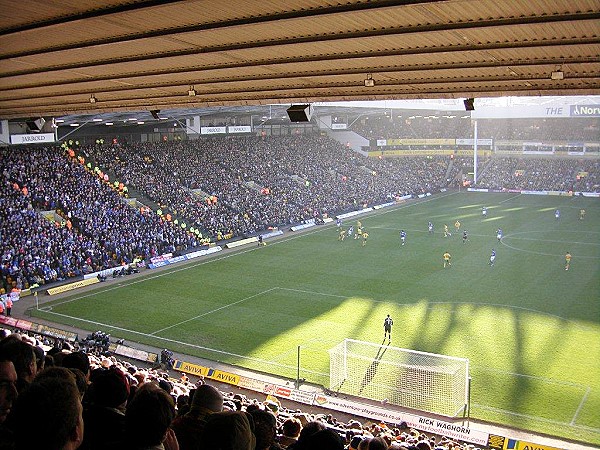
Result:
pixel 530 329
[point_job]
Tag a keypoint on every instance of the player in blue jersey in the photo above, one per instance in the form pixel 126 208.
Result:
pixel 557 214
pixel 430 227
pixel 484 212
pixel 492 257
pixel 499 234
pixel 465 237
pixel 403 236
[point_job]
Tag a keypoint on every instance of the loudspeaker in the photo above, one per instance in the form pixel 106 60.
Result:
pixel 300 113
pixel 469 104
pixel 154 113
pixel 36 125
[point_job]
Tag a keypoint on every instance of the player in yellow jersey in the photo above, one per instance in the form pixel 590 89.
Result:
pixel 457 226
pixel 365 235
pixel 581 214
pixel 447 257
pixel 359 232
pixel 567 261
pixel 342 234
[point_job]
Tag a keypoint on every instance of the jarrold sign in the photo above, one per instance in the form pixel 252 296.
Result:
pixel 36 138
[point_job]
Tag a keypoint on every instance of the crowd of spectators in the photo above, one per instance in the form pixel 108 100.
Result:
pixel 94 401
pixel 226 187
pixel 97 229
pixel 457 125
pixel 258 182
pixel 415 125
pixel 541 174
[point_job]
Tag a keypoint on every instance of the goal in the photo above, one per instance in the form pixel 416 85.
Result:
pixel 423 381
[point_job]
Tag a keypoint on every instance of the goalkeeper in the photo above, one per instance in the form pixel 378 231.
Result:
pixel 387 328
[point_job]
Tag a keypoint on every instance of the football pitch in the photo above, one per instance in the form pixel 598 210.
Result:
pixel 530 328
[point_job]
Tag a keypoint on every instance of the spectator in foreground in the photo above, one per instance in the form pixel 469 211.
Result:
pixel 8 387
pixel 375 443
pixel 207 400
pixel 148 420
pixel 228 430
pixel 23 357
pixel 104 413
pixel 57 403
pixel 291 429
pixel 265 430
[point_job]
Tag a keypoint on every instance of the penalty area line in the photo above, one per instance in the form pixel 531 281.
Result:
pixel 212 311
pixel 583 400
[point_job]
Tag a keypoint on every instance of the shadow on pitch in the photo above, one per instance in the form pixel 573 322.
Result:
pixel 372 370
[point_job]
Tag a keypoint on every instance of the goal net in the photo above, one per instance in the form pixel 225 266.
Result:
pixel 407 378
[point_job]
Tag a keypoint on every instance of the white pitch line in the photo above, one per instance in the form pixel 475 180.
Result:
pixel 533 252
pixel 187 344
pixel 212 311
pixel 510 198
pixel 512 236
pixel 583 400
pixel 531 377
pixel 528 416
pixel 312 292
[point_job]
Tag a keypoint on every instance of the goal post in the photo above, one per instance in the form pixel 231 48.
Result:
pixel 423 381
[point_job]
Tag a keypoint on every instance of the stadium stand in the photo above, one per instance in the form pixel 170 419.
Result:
pixel 436 125
pixel 122 400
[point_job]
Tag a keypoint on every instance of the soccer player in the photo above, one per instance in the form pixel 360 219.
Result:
pixel 350 231
pixel 359 230
pixel 465 236
pixel 484 212
pixel 261 240
pixel 447 257
pixel 581 214
pixel 557 214
pixel 342 235
pixel 446 232
pixel 567 261
pixel 499 234
pixel 430 227
pixel 387 328
pixel 338 223
pixel 403 236
pixel 457 226
pixel 365 235
pixel 492 258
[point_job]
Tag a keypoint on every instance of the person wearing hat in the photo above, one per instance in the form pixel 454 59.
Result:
pixel 206 400
pixel 104 413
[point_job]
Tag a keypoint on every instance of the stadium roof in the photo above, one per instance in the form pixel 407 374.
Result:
pixel 97 56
